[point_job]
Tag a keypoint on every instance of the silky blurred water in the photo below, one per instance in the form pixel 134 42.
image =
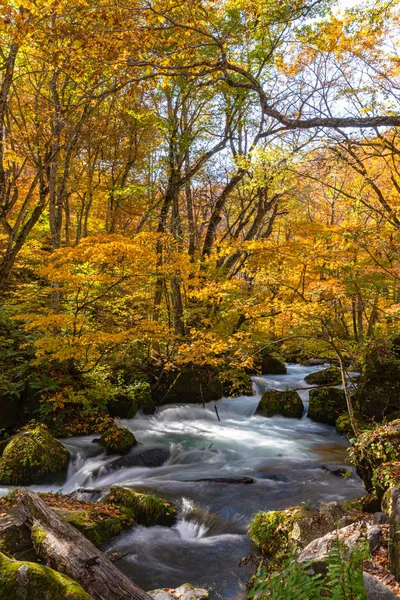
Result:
pixel 284 456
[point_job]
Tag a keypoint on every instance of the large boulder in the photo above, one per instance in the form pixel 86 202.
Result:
pixel 326 405
pixel 271 365
pixel 329 376
pixel 191 384
pixel 378 391
pixel 31 455
pixel 287 404
pixel 118 440
pixel 30 581
pixel 376 590
pixel 146 509
pixel 184 592
pixel 351 536
pixel 372 449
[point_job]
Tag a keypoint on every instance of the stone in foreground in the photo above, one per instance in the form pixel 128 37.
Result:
pixel 30 581
pixel 184 592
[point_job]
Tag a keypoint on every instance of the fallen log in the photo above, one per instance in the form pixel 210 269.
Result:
pixel 66 550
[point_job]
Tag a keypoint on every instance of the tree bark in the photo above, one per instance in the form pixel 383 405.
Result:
pixel 66 550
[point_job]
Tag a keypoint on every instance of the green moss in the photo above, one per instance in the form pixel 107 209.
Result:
pixel 30 455
pixel 385 477
pixel 38 536
pixel 128 399
pixel 98 526
pixel 373 449
pixel 118 440
pixel 329 376
pixel 270 531
pixel 30 581
pixel 146 509
pixel 287 403
pixel 326 405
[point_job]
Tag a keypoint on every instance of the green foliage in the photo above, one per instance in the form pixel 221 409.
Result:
pixel 236 383
pixel 343 580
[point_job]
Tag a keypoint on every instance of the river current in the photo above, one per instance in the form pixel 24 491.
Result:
pixel 285 457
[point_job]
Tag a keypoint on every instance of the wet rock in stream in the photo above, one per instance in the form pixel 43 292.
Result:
pixel 150 458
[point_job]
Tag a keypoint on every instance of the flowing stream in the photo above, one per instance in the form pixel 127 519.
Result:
pixel 285 457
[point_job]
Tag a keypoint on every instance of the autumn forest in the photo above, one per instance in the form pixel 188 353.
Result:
pixel 199 200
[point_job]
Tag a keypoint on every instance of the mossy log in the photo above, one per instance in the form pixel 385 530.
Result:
pixel 66 550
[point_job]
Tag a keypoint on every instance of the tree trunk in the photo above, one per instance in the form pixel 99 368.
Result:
pixel 66 550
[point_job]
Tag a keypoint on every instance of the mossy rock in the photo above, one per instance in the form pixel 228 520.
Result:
pixel 31 455
pixel 326 405
pixel 118 440
pixel 99 524
pixel 237 383
pixel 271 365
pixel 329 376
pixel 270 530
pixel 128 400
pixel 146 509
pixel 191 384
pixel 378 391
pixel 286 404
pixel 29 581
pixel 373 449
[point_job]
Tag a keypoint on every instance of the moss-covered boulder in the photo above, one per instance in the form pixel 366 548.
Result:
pixel 118 440
pixel 31 455
pixel 271 530
pixel 374 448
pixel 326 405
pixel 271 365
pixel 237 383
pixel 286 404
pixel 190 384
pixel 378 391
pixel 129 399
pixel 329 376
pixel 146 509
pixel 30 581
